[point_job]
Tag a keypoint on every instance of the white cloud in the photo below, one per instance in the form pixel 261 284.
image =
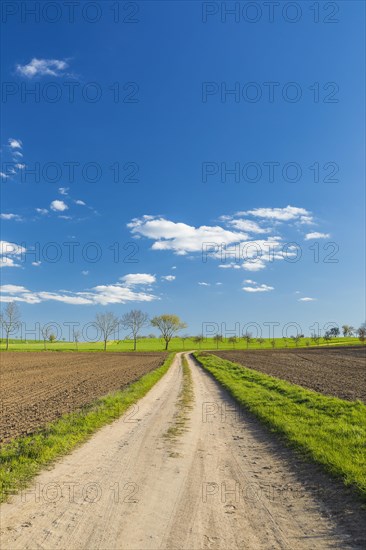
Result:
pixel 17 154
pixel 11 249
pixel 5 261
pixel 80 203
pixel 15 143
pixel 288 213
pixel 85 272
pixel 7 251
pixel 316 235
pixel 42 211
pixel 180 237
pixel 14 217
pixel 36 264
pixel 307 299
pixel 255 265
pixel 204 284
pixel 133 279
pixel 58 206
pixel 63 190
pixel 246 225
pixel 20 166
pixel 3 175
pixel 118 293
pixel 256 287
pixel 43 67
pixel 168 278
pixel 218 284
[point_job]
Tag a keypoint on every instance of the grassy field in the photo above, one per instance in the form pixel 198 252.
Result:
pixel 326 429
pixel 23 458
pixel 176 344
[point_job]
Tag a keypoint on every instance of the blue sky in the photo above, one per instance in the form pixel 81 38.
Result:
pixel 156 142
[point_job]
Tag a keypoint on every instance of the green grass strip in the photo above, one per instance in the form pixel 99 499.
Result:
pixel 328 430
pixel 23 458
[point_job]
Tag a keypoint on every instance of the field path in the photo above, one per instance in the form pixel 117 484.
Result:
pixel 223 483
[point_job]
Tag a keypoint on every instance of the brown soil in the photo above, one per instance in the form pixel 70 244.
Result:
pixel 37 388
pixel 339 372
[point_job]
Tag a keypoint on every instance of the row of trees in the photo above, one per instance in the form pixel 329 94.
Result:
pixel 296 339
pixel 134 321
pixel 167 324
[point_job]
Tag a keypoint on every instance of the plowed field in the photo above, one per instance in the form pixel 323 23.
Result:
pixel 36 388
pixel 340 372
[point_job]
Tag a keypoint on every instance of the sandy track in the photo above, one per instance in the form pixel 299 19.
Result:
pixel 225 483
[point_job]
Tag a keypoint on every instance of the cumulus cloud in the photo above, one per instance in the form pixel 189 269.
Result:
pixel 10 253
pixel 307 299
pixel 58 206
pixel 15 143
pixel 14 217
pixel 316 235
pixel 43 67
pixel 256 287
pixel 234 241
pixel 117 293
pixel 133 279
pixel 168 278
pixel 179 237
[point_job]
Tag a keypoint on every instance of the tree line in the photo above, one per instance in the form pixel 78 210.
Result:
pixel 107 323
pixel 167 324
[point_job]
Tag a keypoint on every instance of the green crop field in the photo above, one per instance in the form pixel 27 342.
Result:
pixel 176 344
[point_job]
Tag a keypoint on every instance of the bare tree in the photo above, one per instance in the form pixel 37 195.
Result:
pixel 46 334
pixel 217 338
pixel 248 338
pixel 107 323
pixel 10 320
pixel 76 338
pixel 198 340
pixel 184 338
pixel 361 333
pixel 168 325
pixel 232 340
pixel 134 321
pixel 296 339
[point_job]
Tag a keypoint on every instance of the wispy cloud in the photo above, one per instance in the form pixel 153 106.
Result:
pixel 14 217
pixel 252 286
pixel 307 299
pixel 168 278
pixel 43 67
pixel 118 293
pixel 316 235
pixel 15 143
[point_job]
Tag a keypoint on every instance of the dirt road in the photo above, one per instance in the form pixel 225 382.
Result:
pixel 224 482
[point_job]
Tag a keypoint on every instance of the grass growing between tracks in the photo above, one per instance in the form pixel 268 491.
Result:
pixel 328 430
pixel 184 404
pixel 23 458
